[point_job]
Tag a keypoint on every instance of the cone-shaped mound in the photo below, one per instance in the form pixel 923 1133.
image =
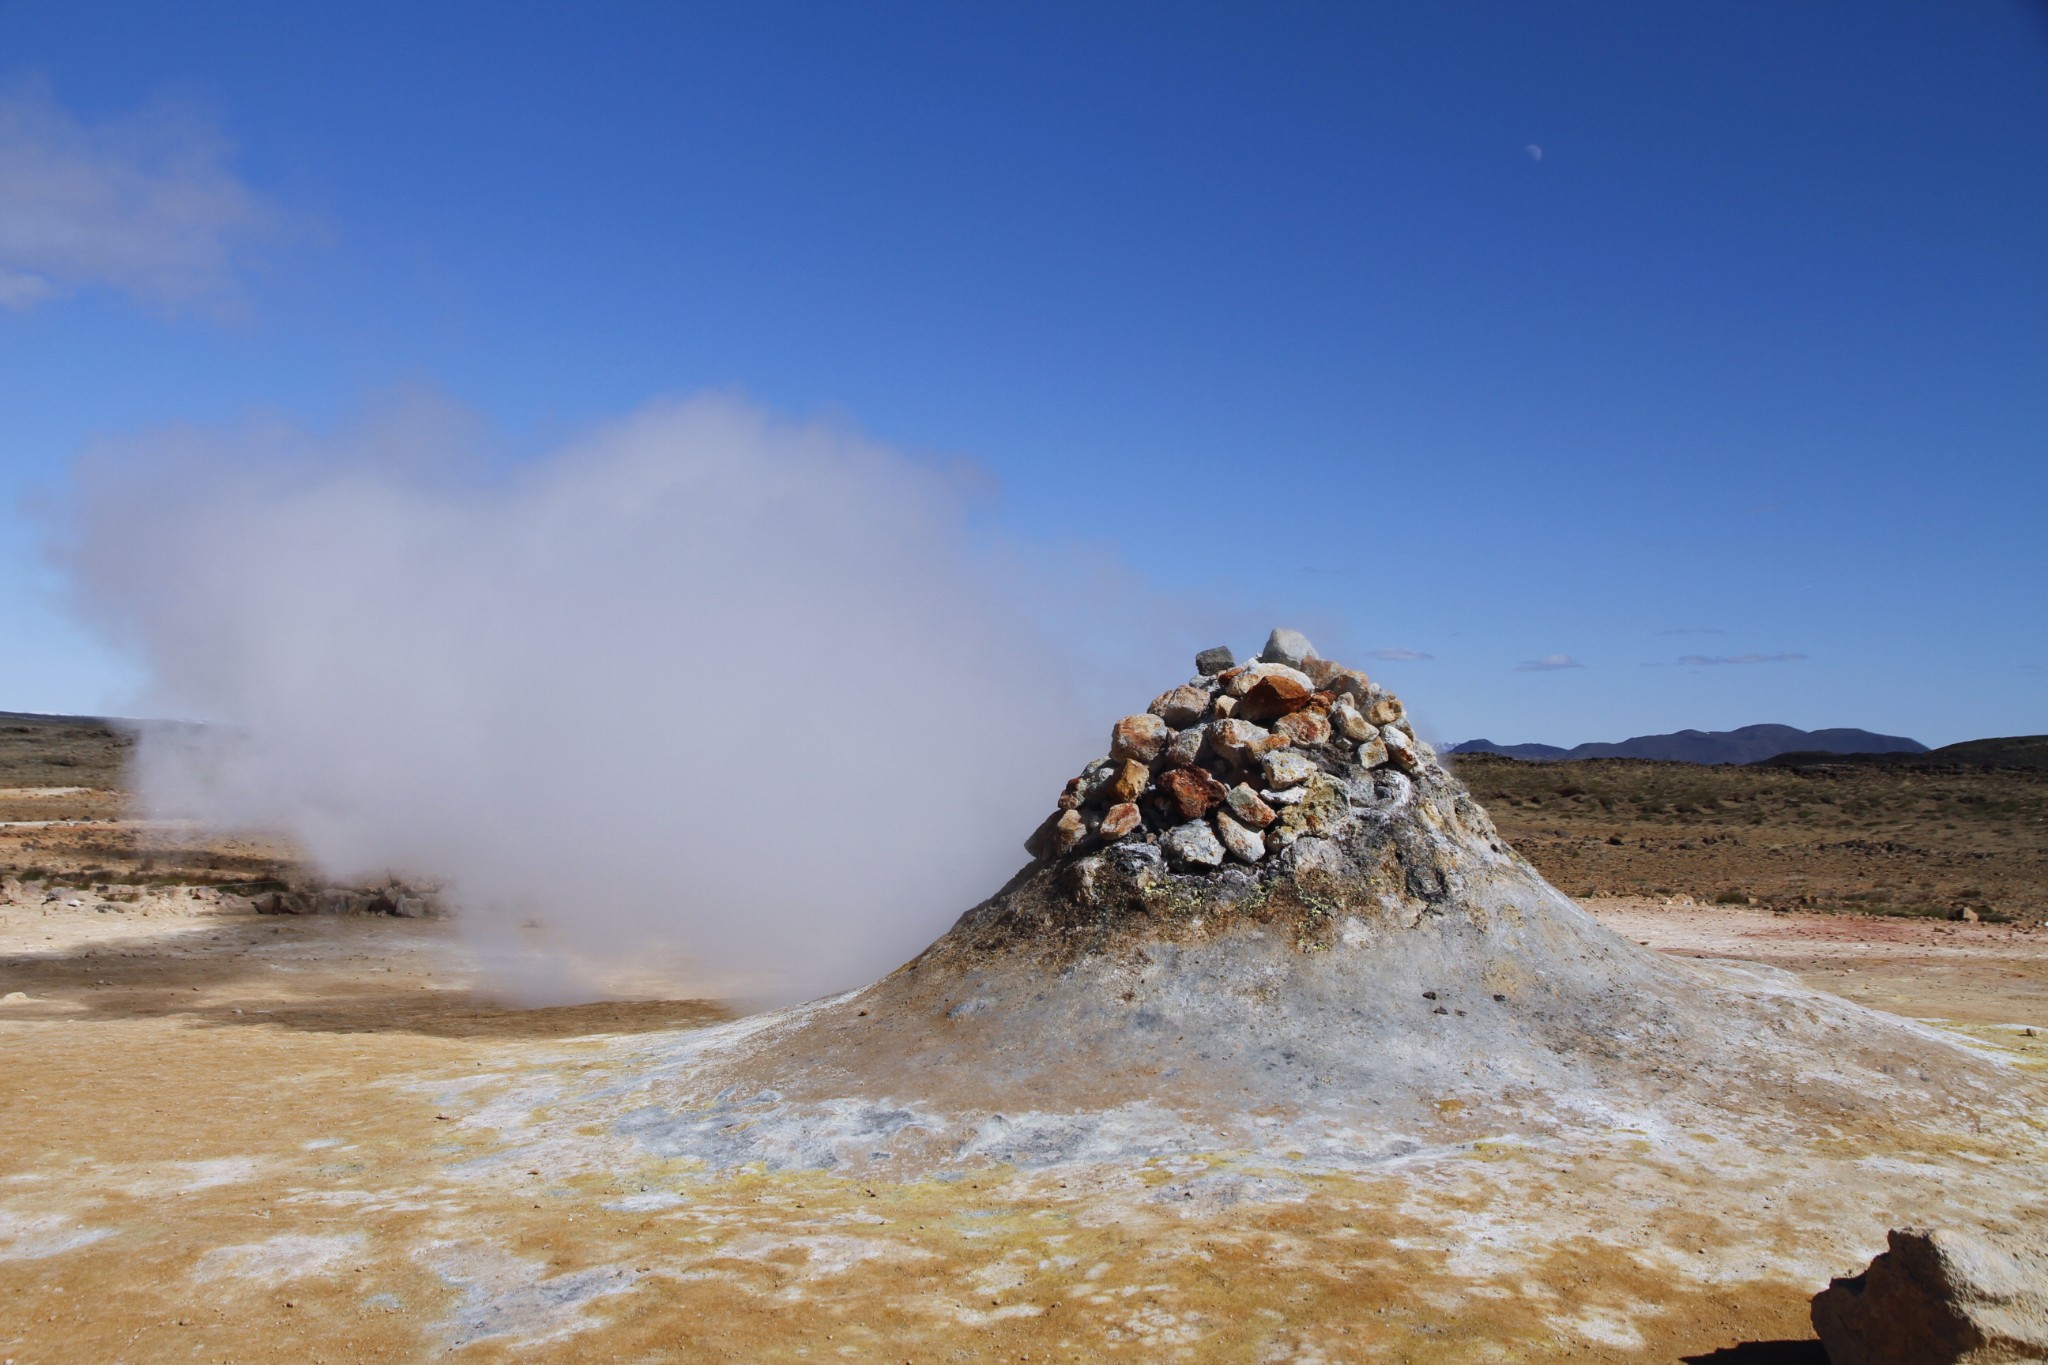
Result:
pixel 1270 919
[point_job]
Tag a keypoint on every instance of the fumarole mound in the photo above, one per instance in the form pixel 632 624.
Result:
pixel 1270 919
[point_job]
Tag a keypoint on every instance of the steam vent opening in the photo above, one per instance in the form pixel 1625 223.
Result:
pixel 1269 920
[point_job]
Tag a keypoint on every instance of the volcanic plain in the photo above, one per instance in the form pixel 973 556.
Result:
pixel 234 1136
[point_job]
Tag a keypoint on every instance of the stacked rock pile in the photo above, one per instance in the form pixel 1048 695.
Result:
pixel 1239 762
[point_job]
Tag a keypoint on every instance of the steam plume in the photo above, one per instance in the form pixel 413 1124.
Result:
pixel 700 678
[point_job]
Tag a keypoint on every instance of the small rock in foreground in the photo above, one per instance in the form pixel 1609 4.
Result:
pixel 1941 1297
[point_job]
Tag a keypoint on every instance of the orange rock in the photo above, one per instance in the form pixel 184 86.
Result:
pixel 1385 711
pixel 1130 781
pixel 1068 831
pixel 1118 821
pixel 1272 697
pixel 1193 792
pixel 1139 737
pixel 1304 727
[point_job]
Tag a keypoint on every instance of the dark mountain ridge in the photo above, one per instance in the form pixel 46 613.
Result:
pixel 1750 744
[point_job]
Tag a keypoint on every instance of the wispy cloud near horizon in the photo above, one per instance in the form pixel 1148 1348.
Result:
pixel 1398 654
pixel 1710 660
pixel 145 204
pixel 1549 663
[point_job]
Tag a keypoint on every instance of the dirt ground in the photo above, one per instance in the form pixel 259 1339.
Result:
pixel 233 1137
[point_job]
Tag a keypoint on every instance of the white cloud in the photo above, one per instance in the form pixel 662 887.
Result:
pixel 1535 152
pixel 1398 654
pixel 145 204
pixel 1707 660
pixel 1549 663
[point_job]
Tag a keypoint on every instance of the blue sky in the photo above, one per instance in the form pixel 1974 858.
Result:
pixel 1603 336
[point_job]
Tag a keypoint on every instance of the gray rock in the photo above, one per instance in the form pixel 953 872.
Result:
pixel 1288 647
pixel 1284 768
pixel 1292 796
pixel 1372 753
pixel 1940 1296
pixel 1243 845
pixel 1210 662
pixel 1182 706
pixel 1140 862
pixel 1193 844
pixel 1185 747
pixel 1321 857
pixel 1245 804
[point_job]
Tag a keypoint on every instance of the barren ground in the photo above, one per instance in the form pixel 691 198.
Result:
pixel 232 1137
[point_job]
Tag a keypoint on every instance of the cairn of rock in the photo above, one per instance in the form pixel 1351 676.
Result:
pixel 1240 763
pixel 1269 919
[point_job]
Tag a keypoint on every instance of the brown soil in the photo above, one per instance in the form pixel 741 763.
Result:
pixel 233 1137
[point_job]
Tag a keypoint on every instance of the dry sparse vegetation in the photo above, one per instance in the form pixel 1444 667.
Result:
pixel 1887 839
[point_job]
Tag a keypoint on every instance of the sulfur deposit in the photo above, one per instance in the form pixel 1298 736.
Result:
pixel 1269 919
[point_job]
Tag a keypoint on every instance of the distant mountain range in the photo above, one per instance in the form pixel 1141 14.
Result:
pixel 2012 751
pixel 1750 744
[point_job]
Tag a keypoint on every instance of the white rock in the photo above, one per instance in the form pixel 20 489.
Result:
pixel 1193 844
pixel 1350 722
pixel 1284 768
pixel 1290 797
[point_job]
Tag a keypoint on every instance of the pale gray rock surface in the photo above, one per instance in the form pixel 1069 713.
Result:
pixel 1193 844
pixel 1285 768
pixel 1288 647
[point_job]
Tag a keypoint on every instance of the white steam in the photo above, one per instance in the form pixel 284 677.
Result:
pixel 701 679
